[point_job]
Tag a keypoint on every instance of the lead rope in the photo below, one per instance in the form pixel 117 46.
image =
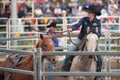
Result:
pixel 71 39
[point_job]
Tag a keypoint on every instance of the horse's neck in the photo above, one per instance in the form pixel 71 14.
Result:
pixel 82 44
pixel 7 63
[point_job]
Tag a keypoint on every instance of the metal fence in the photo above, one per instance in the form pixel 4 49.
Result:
pixel 18 70
pixel 37 59
pixel 60 27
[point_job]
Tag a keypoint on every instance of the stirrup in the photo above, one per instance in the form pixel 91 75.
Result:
pixel 67 67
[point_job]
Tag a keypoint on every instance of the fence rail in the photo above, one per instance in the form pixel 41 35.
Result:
pixel 26 37
pixel 17 71
pixel 60 73
pixel 15 51
pixel 34 73
pixel 82 53
pixel 81 73
pixel 64 26
pixel 108 53
pixel 37 57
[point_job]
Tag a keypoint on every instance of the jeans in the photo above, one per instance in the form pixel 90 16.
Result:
pixel 51 68
pixel 99 63
pixel 70 57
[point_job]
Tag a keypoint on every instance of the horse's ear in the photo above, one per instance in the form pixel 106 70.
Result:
pixel 41 36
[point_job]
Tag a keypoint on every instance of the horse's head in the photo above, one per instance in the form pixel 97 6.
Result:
pixel 46 43
pixel 91 40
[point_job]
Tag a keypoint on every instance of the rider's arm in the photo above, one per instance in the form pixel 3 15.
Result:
pixel 76 26
pixel 61 35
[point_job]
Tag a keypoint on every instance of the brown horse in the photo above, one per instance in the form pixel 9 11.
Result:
pixel 27 62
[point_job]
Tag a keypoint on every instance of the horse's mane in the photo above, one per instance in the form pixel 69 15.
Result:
pixel 83 41
pixel 41 39
pixel 82 44
pixel 92 30
pixel 38 43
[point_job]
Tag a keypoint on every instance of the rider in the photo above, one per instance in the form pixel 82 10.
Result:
pixel 92 22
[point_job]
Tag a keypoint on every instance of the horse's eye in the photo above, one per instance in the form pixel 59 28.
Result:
pixel 45 45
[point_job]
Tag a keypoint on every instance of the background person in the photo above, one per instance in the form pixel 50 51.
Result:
pixel 54 35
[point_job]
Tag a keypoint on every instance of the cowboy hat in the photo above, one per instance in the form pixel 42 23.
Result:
pixel 92 9
pixel 53 24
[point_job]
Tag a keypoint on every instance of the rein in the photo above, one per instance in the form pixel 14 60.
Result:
pixel 71 39
pixel 61 32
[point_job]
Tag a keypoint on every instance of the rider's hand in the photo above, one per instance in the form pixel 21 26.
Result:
pixel 51 35
pixel 69 30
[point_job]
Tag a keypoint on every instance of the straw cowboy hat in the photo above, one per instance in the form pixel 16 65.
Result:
pixel 92 9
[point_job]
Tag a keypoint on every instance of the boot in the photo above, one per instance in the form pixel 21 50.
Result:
pixel 67 67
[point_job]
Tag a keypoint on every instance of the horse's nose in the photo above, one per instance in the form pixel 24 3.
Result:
pixel 53 59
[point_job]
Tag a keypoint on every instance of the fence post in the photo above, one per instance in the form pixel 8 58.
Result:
pixel 7 33
pixel 40 68
pixel 108 62
pixel 65 27
pixel 35 64
pixel 108 48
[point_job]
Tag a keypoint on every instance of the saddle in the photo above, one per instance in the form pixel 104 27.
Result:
pixel 15 60
pixel 80 48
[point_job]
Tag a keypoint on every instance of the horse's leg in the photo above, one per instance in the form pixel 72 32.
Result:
pixel 91 67
pixel 75 66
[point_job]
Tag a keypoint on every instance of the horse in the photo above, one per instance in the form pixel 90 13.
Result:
pixel 85 62
pixel 26 63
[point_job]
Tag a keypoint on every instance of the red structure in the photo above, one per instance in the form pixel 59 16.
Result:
pixel 40 1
